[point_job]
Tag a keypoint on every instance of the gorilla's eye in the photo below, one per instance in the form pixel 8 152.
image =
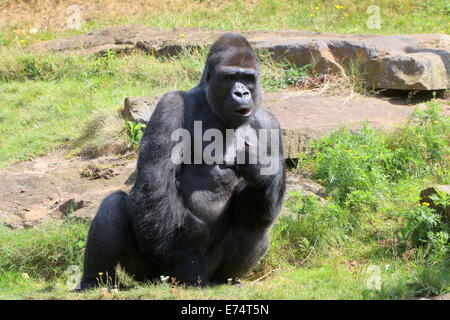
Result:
pixel 239 77
pixel 231 77
pixel 248 77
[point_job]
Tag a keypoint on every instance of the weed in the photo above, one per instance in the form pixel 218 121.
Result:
pixel 135 132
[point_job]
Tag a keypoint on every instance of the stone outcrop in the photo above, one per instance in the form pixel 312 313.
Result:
pixel 139 109
pixel 407 62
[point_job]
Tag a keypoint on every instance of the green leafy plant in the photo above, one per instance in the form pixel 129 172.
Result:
pixel 440 199
pixel 294 74
pixel 349 161
pixel 103 64
pixel 135 132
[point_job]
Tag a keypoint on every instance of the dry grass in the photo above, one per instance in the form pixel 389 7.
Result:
pixel 104 134
pixel 336 85
pixel 51 15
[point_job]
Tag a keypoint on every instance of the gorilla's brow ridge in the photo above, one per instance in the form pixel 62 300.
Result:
pixel 240 57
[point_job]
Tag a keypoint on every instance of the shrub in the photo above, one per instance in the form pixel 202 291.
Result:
pixel 348 161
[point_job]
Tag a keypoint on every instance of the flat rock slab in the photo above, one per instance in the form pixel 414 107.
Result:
pixel 305 115
pixel 409 62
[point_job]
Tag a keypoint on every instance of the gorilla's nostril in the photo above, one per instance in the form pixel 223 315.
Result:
pixel 237 93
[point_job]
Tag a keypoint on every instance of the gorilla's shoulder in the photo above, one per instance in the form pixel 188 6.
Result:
pixel 170 107
pixel 173 98
pixel 265 120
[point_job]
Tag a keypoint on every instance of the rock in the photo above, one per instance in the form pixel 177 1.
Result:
pixel 305 185
pixel 407 62
pixel 305 115
pixel 131 179
pixel 443 297
pixel 22 224
pixel 94 171
pixel 425 196
pixel 71 205
pixel 139 109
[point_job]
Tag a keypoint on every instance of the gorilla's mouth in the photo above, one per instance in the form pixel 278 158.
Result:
pixel 244 111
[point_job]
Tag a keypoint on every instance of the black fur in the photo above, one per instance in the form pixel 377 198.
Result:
pixel 198 223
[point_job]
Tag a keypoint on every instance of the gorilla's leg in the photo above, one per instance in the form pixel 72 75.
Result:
pixel 191 269
pixel 183 255
pixel 109 237
pixel 239 251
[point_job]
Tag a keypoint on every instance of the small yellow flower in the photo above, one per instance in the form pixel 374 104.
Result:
pixel 182 35
pixel 436 122
pixel 339 7
pixel 316 8
pixel 345 14
pixel 100 273
pixel 22 41
pixel 426 204
pixel 311 15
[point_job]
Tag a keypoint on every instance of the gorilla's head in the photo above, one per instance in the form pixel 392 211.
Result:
pixel 231 80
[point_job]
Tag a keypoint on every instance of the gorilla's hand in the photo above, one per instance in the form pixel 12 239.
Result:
pixel 251 169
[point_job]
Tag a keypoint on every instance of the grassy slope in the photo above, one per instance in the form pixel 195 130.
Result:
pixel 40 94
pixel 47 100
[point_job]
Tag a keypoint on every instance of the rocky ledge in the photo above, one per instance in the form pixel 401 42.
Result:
pixel 407 62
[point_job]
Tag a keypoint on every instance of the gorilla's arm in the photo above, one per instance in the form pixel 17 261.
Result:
pixel 258 198
pixel 166 229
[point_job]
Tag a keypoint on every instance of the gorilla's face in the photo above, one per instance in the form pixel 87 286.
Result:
pixel 233 93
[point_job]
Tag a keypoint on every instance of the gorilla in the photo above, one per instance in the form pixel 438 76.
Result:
pixel 200 222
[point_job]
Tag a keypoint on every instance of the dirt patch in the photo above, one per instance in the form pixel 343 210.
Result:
pixel 54 187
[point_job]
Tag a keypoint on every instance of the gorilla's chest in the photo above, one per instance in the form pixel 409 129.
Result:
pixel 207 189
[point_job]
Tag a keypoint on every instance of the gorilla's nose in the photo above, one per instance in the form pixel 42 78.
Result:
pixel 241 94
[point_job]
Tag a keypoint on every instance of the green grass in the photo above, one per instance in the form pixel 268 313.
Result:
pixel 44 251
pixel 50 101
pixel 319 283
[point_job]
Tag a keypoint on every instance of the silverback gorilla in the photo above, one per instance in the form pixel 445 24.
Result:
pixel 200 223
